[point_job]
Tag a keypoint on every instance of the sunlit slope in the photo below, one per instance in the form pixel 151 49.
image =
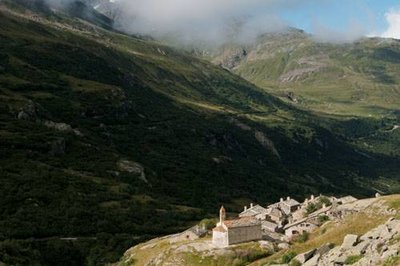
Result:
pixel 355 79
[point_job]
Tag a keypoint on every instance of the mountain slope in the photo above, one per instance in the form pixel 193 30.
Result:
pixel 343 79
pixel 107 140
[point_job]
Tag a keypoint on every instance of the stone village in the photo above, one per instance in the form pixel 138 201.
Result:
pixel 279 222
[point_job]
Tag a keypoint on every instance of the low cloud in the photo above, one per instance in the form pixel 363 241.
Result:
pixel 210 21
pixel 354 31
pixel 393 20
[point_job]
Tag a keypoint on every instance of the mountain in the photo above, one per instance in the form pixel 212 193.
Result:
pixel 350 79
pixel 108 140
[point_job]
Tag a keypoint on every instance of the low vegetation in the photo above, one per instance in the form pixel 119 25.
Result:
pixel 352 259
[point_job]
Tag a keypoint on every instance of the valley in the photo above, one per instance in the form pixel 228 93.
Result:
pixel 115 139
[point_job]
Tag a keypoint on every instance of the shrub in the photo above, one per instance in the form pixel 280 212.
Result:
pixel 295 263
pixel 311 207
pixel 208 223
pixel 325 200
pixel 303 237
pixel 323 218
pixel 352 259
pixel 287 257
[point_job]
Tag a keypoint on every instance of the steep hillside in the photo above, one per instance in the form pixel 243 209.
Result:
pixel 107 140
pixel 343 79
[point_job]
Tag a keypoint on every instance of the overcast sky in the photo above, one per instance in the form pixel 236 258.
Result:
pixel 217 20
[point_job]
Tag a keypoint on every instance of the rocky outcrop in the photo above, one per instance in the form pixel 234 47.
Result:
pixel 267 143
pixel 61 127
pixel 28 112
pixel 372 248
pixel 133 168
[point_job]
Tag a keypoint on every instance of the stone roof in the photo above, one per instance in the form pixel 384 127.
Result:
pixel 291 202
pixel 274 212
pixel 347 199
pixel 269 224
pixel 257 209
pixel 242 222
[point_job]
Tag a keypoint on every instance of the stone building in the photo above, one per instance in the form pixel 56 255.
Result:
pixel 229 232
pixel 299 228
pixel 254 211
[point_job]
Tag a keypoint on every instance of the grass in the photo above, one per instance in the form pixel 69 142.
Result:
pixel 333 233
pixel 352 259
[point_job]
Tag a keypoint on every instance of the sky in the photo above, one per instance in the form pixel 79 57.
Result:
pixel 369 17
pixel 218 20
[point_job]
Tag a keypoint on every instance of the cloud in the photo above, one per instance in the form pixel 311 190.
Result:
pixel 213 21
pixel 353 32
pixel 393 20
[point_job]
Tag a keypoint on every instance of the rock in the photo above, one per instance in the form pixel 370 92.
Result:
pixel 373 234
pixel 349 242
pixel 385 233
pixel 133 168
pixel 377 195
pixel 313 261
pixel 324 249
pixel 266 143
pixel 390 253
pixel 303 257
pixel 360 248
pixel 62 127
pixel 283 245
pixel 340 260
pixel 266 245
pixel 58 147
pixel 23 116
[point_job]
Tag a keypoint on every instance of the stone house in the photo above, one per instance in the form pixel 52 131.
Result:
pixel 295 229
pixel 229 232
pixel 269 226
pixel 275 214
pixel 289 205
pixel 256 211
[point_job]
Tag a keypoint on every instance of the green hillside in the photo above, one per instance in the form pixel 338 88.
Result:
pixel 356 79
pixel 107 140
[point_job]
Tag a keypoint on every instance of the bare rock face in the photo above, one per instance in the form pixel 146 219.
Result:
pixel 375 247
pixel 133 168
pixel 349 242
pixel 28 112
pixel 267 143
pixel 303 257
pixel 61 127
pixel 283 245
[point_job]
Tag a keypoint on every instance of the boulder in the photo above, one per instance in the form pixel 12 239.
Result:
pixel 303 257
pixel 349 242
pixel 361 248
pixel 133 168
pixel 385 233
pixel 266 245
pixel 283 245
pixel 373 234
pixel 324 249
pixel 314 261
pixel 392 252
